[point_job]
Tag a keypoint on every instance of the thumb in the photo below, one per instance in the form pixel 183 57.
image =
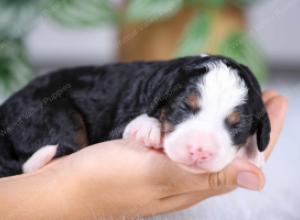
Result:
pixel 240 173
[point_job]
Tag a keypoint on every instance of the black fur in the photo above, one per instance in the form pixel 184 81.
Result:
pixel 78 107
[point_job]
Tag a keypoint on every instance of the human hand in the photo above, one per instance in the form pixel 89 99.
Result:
pixel 121 179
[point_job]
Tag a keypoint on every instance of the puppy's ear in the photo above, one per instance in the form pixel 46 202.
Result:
pixel 263 132
pixel 194 70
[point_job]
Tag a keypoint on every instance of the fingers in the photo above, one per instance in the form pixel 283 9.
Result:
pixel 176 203
pixel 276 107
pixel 199 187
pixel 269 94
pixel 239 173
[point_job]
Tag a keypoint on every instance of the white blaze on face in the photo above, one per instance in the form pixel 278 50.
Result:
pixel 202 142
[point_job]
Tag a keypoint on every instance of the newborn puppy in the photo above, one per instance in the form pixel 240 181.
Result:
pixel 203 111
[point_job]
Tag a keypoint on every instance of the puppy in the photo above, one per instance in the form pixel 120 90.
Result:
pixel 203 111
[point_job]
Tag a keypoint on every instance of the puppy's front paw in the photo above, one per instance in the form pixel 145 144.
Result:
pixel 146 130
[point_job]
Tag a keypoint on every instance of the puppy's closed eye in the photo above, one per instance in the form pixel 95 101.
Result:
pixel 234 118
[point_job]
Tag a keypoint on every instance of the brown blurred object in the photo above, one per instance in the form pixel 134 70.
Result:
pixel 159 40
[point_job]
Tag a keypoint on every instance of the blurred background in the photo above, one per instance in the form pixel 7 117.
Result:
pixel 37 36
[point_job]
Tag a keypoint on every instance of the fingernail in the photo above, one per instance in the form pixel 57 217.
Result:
pixel 248 180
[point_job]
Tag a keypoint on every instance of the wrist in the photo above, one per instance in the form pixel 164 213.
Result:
pixel 53 191
pixel 37 194
pixel 71 189
pixel 61 191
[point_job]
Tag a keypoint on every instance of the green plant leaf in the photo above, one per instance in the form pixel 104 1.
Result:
pixel 78 13
pixel 16 17
pixel 244 50
pixel 151 10
pixel 15 69
pixel 195 35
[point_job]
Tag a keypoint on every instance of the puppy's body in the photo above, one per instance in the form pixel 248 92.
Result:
pixel 74 108
pixel 78 107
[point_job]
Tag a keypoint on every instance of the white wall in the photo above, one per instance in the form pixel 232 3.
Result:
pixel 51 45
pixel 275 24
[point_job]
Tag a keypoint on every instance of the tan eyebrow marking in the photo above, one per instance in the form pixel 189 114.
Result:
pixel 166 127
pixel 234 117
pixel 193 101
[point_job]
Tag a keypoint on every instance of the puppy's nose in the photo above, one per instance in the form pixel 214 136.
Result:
pixel 200 155
pixel 201 147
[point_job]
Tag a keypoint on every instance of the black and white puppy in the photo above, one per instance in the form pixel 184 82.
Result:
pixel 203 111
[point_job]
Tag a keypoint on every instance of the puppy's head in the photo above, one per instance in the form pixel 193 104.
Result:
pixel 216 113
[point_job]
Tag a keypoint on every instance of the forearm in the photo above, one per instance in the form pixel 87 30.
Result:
pixel 34 196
